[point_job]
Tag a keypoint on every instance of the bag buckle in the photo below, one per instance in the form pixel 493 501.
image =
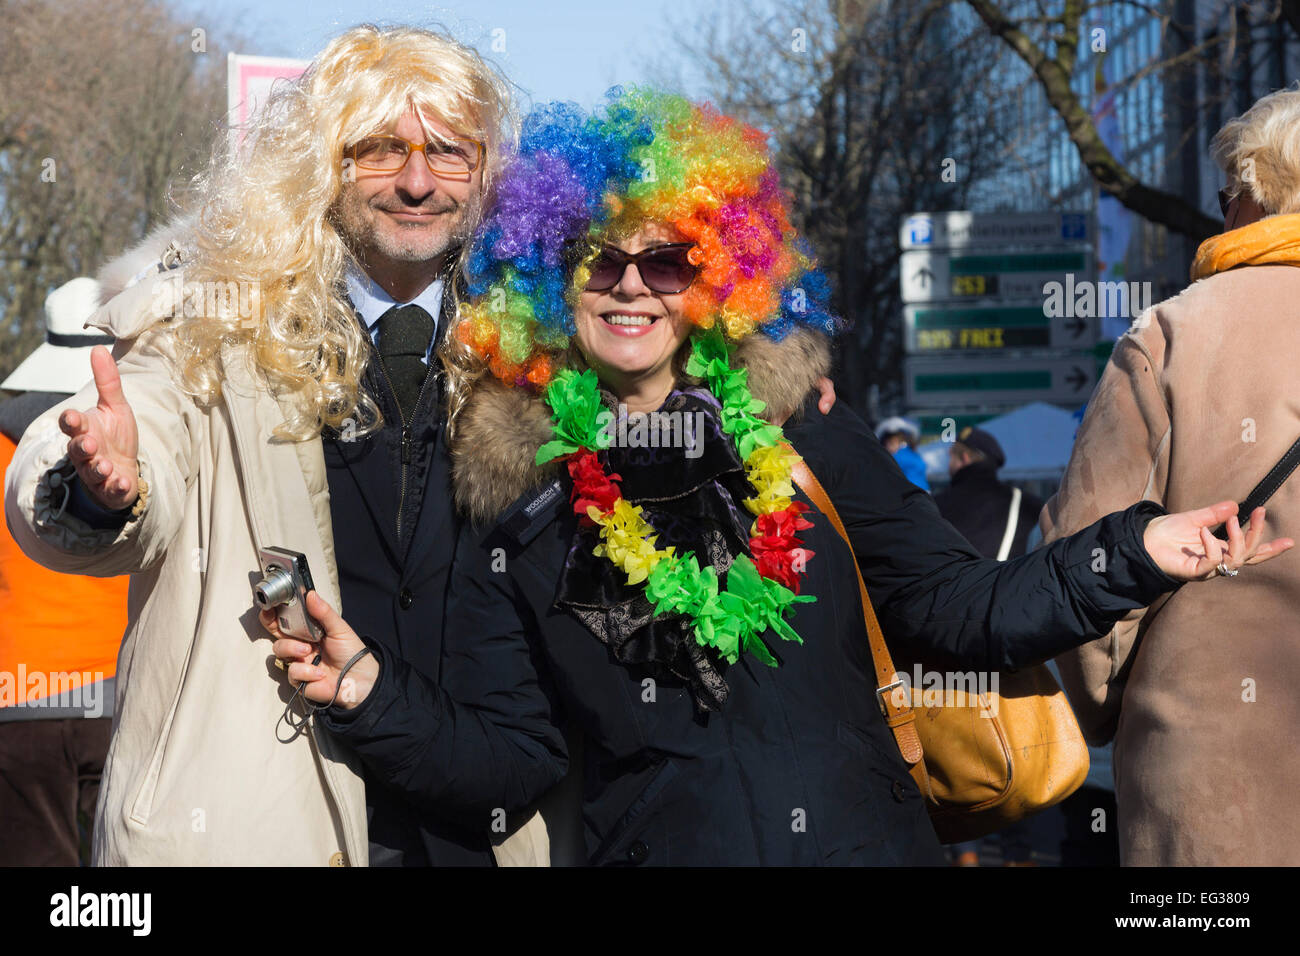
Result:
pixel 882 691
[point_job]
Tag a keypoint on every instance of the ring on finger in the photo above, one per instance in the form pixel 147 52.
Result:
pixel 1226 571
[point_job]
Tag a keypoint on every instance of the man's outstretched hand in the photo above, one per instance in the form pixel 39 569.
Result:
pixel 103 440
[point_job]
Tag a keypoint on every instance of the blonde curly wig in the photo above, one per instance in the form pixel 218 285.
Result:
pixel 265 226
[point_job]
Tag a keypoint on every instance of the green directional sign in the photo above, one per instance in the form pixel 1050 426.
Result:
pixel 977 380
pixel 986 327
pixel 938 277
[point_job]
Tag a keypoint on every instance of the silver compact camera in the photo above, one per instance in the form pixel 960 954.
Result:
pixel 286 579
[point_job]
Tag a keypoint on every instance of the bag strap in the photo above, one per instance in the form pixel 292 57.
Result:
pixel 1013 521
pixel 896 708
pixel 1265 489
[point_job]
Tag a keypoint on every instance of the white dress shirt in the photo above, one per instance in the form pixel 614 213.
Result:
pixel 371 302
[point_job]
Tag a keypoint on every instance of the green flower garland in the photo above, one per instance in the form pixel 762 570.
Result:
pixel 756 597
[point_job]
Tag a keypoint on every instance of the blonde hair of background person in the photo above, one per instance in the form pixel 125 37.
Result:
pixel 1260 153
pixel 268 214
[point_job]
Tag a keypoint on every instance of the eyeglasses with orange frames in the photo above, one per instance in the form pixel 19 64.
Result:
pixel 445 157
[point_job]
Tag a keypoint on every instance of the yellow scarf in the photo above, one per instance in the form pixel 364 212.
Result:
pixel 1273 240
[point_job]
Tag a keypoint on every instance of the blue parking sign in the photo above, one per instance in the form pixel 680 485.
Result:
pixel 1074 225
pixel 920 230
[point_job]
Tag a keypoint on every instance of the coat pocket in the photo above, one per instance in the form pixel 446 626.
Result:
pixel 635 818
pixel 882 819
pixel 887 762
pixel 142 806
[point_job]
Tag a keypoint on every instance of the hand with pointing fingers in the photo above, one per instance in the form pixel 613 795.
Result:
pixel 1183 547
pixel 103 441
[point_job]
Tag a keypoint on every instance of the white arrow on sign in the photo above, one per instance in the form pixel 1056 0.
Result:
pixel 971 277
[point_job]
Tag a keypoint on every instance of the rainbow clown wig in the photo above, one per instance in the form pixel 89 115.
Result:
pixel 579 180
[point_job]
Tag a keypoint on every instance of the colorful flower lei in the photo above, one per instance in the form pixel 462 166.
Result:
pixel 759 591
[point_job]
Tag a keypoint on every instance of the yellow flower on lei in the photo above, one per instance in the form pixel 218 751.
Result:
pixel 768 470
pixel 628 540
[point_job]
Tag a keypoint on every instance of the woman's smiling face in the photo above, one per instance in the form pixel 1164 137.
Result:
pixel 629 333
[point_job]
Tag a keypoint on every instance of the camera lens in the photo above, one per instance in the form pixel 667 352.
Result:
pixel 274 589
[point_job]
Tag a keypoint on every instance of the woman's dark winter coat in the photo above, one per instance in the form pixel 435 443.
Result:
pixel 797 766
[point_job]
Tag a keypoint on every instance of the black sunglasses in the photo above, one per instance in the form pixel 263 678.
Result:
pixel 1225 200
pixel 664 269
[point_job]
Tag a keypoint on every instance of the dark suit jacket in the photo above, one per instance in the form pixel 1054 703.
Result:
pixel 394 584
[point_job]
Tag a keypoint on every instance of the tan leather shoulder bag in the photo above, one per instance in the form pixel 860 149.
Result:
pixel 982 760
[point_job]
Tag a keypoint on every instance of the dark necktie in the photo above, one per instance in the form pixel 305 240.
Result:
pixel 404 335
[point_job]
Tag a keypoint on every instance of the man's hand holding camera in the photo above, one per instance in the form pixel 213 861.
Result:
pixel 320 681
pixel 104 441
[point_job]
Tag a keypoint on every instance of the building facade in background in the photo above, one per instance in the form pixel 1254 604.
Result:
pixel 1174 83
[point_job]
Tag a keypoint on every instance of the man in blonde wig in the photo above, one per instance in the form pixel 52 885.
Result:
pixel 280 388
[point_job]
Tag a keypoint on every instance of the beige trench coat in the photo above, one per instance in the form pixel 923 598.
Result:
pixel 200 769
pixel 1202 691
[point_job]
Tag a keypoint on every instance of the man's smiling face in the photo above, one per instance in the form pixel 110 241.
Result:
pixel 411 216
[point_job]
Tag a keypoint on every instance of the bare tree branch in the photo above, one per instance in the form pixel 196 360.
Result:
pixel 1113 176
pixel 877 109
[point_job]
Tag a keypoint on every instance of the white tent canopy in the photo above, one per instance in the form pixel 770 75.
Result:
pixel 1037 440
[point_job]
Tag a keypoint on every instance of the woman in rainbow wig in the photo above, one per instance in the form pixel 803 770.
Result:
pixel 630 386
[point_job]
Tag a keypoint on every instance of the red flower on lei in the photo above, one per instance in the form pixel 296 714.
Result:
pixel 778 553
pixel 592 487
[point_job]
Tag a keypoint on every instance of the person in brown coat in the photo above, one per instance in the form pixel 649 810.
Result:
pixel 1198 402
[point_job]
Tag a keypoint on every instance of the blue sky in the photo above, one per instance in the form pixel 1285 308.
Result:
pixel 571 49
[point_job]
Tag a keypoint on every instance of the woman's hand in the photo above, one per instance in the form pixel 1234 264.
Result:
pixel 825 402
pixel 1183 547
pixel 336 648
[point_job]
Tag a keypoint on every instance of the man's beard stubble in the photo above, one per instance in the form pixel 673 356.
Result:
pixel 361 234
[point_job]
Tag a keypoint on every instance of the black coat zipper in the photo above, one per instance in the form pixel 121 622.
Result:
pixel 406 430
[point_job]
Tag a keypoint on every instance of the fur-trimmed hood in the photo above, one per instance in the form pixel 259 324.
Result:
pixel 126 294
pixel 119 273
pixel 500 428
